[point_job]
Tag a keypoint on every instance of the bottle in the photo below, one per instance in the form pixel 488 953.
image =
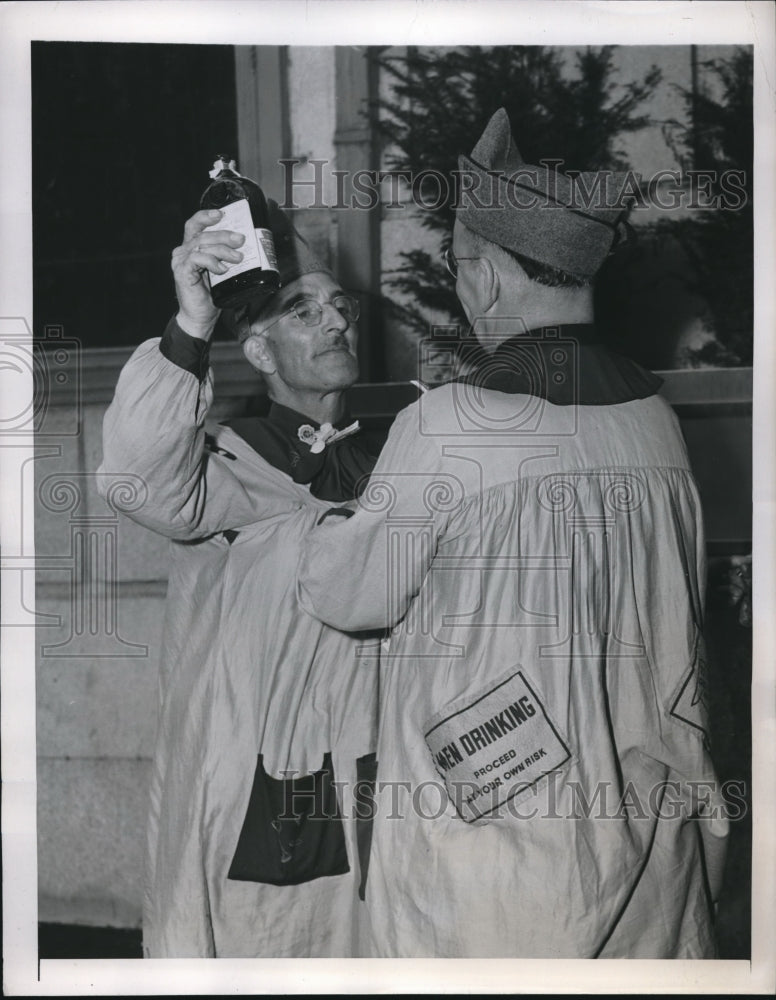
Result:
pixel 245 210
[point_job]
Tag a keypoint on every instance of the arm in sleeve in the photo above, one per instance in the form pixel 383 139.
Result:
pixel 154 435
pixel 363 572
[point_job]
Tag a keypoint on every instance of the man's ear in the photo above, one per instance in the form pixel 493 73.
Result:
pixel 258 354
pixel 489 283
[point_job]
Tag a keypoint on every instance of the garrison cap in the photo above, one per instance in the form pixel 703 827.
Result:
pixel 537 211
pixel 295 257
pixel 294 254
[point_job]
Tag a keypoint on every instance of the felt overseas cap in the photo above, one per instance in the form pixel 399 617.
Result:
pixel 570 223
pixel 295 257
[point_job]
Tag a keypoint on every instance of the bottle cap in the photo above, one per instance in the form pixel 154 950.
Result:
pixel 223 164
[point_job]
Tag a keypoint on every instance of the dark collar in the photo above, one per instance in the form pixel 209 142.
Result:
pixel 278 431
pixel 291 420
pixel 566 364
pixel 337 473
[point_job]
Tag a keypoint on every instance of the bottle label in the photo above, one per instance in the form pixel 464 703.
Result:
pixel 267 249
pixel 237 218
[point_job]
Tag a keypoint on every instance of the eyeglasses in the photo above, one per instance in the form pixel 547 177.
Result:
pixel 451 261
pixel 310 311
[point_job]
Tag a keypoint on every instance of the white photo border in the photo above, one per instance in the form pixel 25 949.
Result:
pixel 354 22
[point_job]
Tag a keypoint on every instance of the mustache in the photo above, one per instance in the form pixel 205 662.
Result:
pixel 340 344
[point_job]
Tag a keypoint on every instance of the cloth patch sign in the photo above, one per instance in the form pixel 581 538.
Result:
pixel 494 747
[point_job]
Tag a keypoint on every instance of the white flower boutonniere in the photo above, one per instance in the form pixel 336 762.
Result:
pixel 306 434
pixel 326 434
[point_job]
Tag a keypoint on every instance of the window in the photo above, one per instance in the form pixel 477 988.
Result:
pixel 123 137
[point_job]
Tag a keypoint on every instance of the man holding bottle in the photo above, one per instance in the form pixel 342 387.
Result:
pixel 532 536
pixel 266 716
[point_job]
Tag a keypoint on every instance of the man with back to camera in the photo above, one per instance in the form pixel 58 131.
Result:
pixel 251 846
pixel 532 533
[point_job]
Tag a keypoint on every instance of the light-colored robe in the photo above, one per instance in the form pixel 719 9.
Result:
pixel 542 713
pixel 243 671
